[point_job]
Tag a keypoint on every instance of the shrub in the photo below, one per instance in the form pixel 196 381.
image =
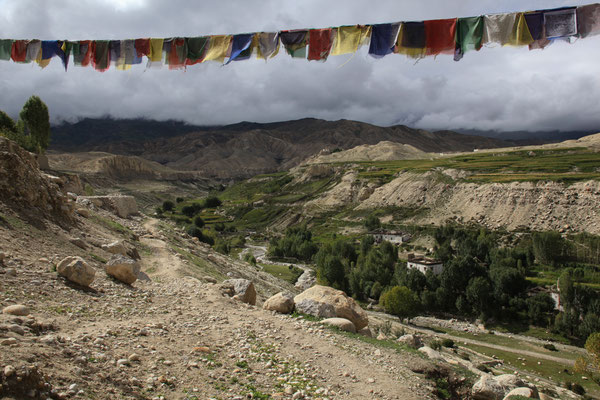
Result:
pixel 222 247
pixel 219 227
pixel 212 202
pixel 199 222
pixel 191 210
pixel 197 232
pixel 158 211
pixel 435 344
pixel 168 205
pixel 448 343
pixel 575 388
pixel 179 199
pixel 550 346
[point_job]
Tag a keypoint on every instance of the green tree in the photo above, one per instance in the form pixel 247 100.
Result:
pixel 199 222
pixel 539 308
pixel 168 205
pixel 592 345
pixel 400 301
pixel 7 124
pixel 372 223
pixel 548 247
pixel 479 295
pixel 36 123
pixel 212 202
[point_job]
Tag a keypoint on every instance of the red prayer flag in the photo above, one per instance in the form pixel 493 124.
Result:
pixel 85 60
pixel 19 50
pixel 142 47
pixel 320 42
pixel 178 54
pixel 440 36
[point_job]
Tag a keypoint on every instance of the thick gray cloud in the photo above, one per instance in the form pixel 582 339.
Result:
pixel 496 88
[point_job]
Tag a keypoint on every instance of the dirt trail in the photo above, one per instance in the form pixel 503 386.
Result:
pixel 162 262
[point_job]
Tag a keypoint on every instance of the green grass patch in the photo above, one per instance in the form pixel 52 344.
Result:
pixel 564 165
pixel 289 274
pixel 112 225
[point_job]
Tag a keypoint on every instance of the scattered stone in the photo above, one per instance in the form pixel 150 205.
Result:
pixel 122 268
pixel 79 242
pixel 413 341
pixel 76 270
pixel 11 272
pixel 365 332
pixel 133 357
pixel 208 279
pixel 8 342
pixel 242 288
pixel 327 302
pixel 142 276
pixel 431 353
pixel 9 371
pixel 123 206
pixel 84 212
pixel 341 323
pixel 16 309
pixel 495 387
pixel 281 303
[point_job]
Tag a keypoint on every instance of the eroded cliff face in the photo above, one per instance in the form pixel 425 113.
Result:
pixel 539 206
pixel 26 189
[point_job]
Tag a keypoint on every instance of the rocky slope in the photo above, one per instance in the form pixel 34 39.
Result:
pixel 382 151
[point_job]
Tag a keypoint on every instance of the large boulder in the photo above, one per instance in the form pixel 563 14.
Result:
pixel 241 289
pixel 431 353
pixel 76 270
pixel 281 303
pixel 490 387
pixel 327 302
pixel 122 268
pixel 117 247
pixel 521 392
pixel 340 323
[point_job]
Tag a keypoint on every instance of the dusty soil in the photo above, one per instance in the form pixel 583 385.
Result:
pixel 175 337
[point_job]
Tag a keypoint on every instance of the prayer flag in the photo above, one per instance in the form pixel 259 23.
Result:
pixel 178 54
pixel 239 44
pixel 101 55
pixel 349 38
pixel 115 51
pixel 411 40
pixel 469 35
pixel 156 50
pixel 294 42
pixel 82 52
pixel 268 44
pixel 588 20
pixel 33 49
pixel 196 48
pixel 5 49
pixel 440 36
pixel 520 35
pixel 383 39
pixel 218 47
pixel 320 42
pixel 142 47
pixel 560 23
pixel 535 24
pixel 498 28
pixel 19 51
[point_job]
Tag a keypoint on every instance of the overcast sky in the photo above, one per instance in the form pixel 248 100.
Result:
pixel 496 88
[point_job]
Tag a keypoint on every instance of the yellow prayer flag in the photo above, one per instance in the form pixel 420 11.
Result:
pixel 156 47
pixel 349 38
pixel 41 62
pixel 520 35
pixel 218 46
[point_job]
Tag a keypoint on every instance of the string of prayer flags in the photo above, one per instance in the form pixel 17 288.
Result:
pixel 416 39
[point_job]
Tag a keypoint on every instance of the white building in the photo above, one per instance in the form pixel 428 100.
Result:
pixel 392 237
pixel 425 264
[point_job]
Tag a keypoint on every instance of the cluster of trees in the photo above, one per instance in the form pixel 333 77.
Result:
pixel 479 280
pixel 32 130
pixel 296 243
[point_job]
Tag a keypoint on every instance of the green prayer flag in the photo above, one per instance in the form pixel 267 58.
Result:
pixel 196 48
pixel 5 49
pixel 469 34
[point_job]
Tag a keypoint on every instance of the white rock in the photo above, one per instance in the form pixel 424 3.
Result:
pixel 9 371
pixel 431 353
pixel 281 303
pixel 117 247
pixel 242 288
pixel 341 323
